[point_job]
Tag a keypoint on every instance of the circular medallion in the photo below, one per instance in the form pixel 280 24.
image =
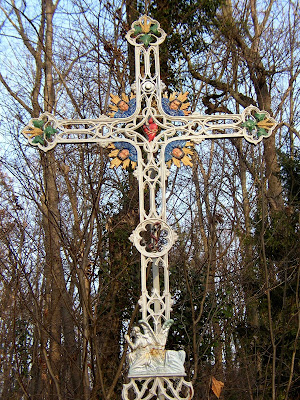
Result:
pixel 153 238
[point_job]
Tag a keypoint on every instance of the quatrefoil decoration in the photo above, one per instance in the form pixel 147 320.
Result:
pixel 153 238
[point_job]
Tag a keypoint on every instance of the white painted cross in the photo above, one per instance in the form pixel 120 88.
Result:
pixel 148 133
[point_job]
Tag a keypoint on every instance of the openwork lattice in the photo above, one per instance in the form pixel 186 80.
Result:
pixel 158 388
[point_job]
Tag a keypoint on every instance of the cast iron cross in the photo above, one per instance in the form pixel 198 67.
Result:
pixel 149 132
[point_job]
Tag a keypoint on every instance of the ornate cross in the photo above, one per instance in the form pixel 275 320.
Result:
pixel 148 132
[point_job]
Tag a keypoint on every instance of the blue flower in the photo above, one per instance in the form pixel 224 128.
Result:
pixel 132 150
pixel 171 146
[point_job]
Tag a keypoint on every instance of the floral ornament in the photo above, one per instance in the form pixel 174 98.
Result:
pixel 124 154
pixel 177 152
pixel 39 132
pixel 175 105
pixel 123 107
pixel 259 124
pixel 146 30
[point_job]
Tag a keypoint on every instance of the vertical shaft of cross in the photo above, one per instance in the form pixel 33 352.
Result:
pixel 156 287
pixel 155 266
pixel 148 88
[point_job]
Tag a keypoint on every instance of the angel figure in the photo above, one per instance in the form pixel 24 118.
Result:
pixel 123 107
pixel 175 105
pixel 141 346
pixel 178 152
pixel 124 154
pixel 149 357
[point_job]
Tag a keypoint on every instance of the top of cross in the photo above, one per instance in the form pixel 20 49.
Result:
pixel 145 32
pixel 149 118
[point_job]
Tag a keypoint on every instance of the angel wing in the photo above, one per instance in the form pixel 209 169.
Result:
pixel 148 330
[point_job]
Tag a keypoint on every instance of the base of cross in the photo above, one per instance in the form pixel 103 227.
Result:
pixel 162 388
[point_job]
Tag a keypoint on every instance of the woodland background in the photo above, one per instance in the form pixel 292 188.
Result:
pixel 69 277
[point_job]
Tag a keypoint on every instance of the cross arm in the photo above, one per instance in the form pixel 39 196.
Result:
pixel 252 124
pixel 47 131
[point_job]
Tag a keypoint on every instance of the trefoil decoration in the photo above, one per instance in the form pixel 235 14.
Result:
pixel 146 31
pixel 259 124
pixel 40 131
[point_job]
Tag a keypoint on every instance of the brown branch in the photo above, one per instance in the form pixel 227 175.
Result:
pixel 243 100
pixel 288 91
pixel 293 130
pixel 20 29
pixel 55 379
pixel 268 294
pixel 14 95
pixel 69 92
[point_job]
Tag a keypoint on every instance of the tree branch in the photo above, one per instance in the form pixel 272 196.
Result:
pixel 14 95
pixel 243 100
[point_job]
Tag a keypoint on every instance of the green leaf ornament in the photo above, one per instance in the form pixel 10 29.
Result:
pixel 137 29
pixel 261 132
pixel 38 139
pixel 146 39
pixel 154 30
pixel 38 124
pixel 49 131
pixel 249 124
pixel 259 117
